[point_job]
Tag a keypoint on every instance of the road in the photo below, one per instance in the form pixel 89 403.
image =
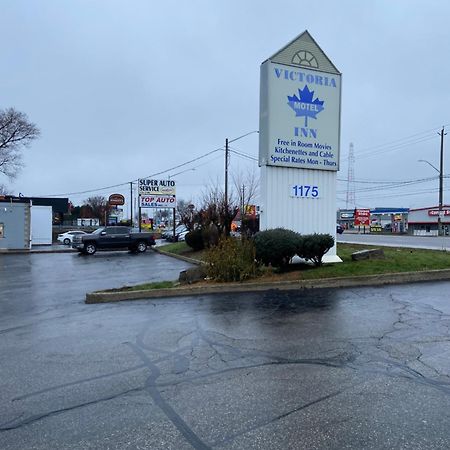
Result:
pixel 392 240
pixel 329 369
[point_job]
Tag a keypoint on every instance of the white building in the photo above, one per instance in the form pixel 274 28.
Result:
pixel 424 221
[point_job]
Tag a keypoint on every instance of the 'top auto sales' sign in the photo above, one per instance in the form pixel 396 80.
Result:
pixel 157 201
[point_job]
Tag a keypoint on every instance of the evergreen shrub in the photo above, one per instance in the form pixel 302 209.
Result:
pixel 313 247
pixel 195 239
pixel 276 246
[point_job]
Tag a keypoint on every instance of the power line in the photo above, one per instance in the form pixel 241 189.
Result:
pixel 153 174
pixel 244 155
pixel 183 164
pixel 395 148
pixel 344 180
pixel 401 142
pixel 132 181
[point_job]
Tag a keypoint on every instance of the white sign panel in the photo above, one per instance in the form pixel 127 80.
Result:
pixel 148 186
pixel 157 201
pixel 88 222
pixel 300 117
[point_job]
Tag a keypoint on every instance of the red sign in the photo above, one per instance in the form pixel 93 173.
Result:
pixel 362 217
pixel 116 199
pixel 435 212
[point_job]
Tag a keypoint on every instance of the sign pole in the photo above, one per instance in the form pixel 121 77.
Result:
pixel 174 234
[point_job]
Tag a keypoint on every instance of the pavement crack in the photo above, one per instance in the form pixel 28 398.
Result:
pixel 263 423
pixel 190 436
pixel 76 383
pixel 36 417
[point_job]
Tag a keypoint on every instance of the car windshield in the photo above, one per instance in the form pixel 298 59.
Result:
pixel 98 230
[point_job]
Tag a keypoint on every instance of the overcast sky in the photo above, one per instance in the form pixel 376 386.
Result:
pixel 125 89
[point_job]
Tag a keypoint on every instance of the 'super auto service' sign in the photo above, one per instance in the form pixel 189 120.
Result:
pixel 157 201
pixel 300 117
pixel 148 186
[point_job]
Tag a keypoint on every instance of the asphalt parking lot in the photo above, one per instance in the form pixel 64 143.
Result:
pixel 341 369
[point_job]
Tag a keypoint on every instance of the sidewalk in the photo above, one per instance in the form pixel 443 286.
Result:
pixel 55 248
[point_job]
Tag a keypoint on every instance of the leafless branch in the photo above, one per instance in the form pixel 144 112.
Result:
pixel 16 133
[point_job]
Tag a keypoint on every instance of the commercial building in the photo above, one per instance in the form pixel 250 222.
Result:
pixel 15 225
pixel 424 221
pixel 27 221
pixel 392 220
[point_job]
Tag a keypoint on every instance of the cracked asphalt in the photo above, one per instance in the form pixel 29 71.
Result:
pixel 327 369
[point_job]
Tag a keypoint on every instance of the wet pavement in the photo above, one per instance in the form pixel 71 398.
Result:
pixel 326 369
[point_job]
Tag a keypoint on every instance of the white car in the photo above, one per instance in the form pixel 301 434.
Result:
pixel 66 238
pixel 182 235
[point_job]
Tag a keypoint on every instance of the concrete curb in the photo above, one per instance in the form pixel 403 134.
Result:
pixel 229 288
pixel 181 257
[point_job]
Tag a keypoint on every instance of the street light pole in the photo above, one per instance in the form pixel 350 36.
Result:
pixel 441 184
pixel 441 180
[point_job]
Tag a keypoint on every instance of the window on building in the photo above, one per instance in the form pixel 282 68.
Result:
pixel 2 230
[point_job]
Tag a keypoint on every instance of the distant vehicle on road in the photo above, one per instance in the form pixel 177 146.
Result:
pixel 339 229
pixel 113 238
pixel 66 238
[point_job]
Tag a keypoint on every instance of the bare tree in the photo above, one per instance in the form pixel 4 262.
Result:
pixel 186 213
pixel 218 211
pixel 16 133
pixel 247 187
pixel 99 207
pixel 4 190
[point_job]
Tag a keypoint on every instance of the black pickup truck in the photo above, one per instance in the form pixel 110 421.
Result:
pixel 113 238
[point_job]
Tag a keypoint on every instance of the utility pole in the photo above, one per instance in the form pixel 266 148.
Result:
pixel 227 152
pixel 243 212
pixel 226 176
pixel 131 204
pixel 441 184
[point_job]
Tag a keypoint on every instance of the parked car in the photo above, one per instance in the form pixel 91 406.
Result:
pixel 67 237
pixel 339 229
pixel 113 238
pixel 182 235
pixel 180 231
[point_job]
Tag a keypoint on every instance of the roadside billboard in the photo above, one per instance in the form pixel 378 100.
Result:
pixel 157 201
pixel 149 186
pixel 300 117
pixel 116 200
pixel 362 217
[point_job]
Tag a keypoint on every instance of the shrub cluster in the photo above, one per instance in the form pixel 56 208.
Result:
pixel 313 247
pixel 231 260
pixel 195 239
pixel 278 246
pixel 204 237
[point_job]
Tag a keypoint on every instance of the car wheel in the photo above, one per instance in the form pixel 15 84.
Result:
pixel 66 241
pixel 90 249
pixel 141 247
